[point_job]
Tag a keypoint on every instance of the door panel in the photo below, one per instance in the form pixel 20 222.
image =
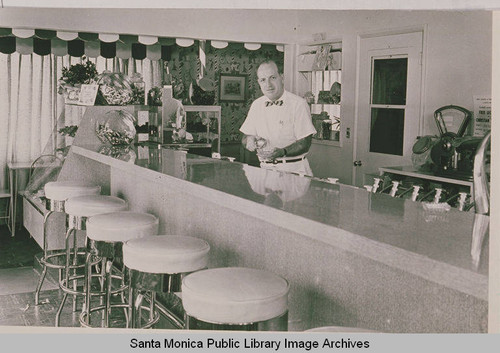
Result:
pixel 388 117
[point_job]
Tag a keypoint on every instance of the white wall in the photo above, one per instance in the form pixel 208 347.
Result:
pixel 457 62
pixel 457 45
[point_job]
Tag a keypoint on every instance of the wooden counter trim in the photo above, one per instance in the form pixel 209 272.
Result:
pixel 449 276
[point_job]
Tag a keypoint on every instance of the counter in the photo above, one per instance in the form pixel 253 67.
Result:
pixel 352 258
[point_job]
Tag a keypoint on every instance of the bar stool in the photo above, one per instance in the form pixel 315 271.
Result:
pixel 78 210
pixel 157 264
pixel 235 298
pixel 56 193
pixel 106 233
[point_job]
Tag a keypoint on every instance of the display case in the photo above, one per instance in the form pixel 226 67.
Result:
pixel 320 79
pixel 202 125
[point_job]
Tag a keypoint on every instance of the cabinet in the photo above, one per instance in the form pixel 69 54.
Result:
pixel 320 79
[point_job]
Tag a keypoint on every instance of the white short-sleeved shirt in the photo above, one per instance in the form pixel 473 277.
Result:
pixel 288 186
pixel 280 125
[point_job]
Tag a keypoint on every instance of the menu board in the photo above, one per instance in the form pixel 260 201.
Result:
pixel 482 115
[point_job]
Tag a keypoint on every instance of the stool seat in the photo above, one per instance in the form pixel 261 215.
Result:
pixel 169 254
pixel 234 295
pixel 91 205
pixel 63 190
pixel 121 226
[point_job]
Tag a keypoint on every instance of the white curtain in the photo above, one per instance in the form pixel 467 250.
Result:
pixel 30 106
pixel 27 107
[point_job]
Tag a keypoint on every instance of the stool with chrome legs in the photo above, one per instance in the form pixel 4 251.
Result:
pixel 105 234
pixel 158 264
pixel 78 210
pixel 56 194
pixel 235 298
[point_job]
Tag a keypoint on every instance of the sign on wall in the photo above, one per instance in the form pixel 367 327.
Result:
pixel 482 115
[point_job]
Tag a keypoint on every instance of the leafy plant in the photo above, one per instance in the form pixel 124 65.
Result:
pixel 68 130
pixel 77 74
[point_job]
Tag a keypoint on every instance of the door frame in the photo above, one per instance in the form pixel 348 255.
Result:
pixel 380 34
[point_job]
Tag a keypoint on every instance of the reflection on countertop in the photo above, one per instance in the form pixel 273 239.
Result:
pixel 444 236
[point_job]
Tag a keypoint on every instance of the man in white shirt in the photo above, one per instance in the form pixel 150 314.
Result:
pixel 278 125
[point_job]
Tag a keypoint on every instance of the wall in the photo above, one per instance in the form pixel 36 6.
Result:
pixel 457 47
pixel 456 63
pixel 184 67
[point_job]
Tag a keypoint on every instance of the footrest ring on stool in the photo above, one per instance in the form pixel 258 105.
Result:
pixel 151 322
pixel 85 313
pixel 65 288
pixel 45 260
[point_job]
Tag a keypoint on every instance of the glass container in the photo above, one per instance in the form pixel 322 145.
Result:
pixel 421 157
pixel 116 127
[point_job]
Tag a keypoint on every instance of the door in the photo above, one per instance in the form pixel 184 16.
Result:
pixel 388 118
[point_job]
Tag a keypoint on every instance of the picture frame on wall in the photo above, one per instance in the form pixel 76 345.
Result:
pixel 232 87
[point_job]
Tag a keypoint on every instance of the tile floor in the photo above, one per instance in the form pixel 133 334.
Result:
pixel 18 280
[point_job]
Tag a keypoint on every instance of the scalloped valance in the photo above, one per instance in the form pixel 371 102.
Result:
pixel 107 45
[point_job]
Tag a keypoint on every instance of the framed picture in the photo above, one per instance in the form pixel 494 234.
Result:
pixel 232 87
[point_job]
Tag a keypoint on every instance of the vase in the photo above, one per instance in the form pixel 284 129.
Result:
pixel 116 127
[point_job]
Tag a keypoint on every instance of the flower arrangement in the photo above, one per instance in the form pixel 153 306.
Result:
pixel 73 77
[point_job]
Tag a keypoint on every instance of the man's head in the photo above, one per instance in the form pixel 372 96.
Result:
pixel 270 80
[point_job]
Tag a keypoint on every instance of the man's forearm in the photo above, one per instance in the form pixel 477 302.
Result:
pixel 297 148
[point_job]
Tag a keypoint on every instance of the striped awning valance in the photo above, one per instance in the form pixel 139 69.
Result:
pixel 107 45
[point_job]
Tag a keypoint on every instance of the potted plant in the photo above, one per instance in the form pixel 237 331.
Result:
pixel 73 77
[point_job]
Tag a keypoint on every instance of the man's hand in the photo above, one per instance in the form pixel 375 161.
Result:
pixel 249 142
pixel 270 154
pixel 253 143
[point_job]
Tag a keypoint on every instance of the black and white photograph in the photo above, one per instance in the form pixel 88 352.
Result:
pixel 232 87
pixel 248 169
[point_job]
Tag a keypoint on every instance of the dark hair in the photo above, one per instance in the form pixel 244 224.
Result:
pixel 271 62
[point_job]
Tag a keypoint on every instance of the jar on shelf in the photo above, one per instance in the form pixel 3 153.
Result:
pixel 116 127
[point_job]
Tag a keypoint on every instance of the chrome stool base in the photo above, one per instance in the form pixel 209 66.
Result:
pixel 73 223
pixel 107 251
pixel 46 262
pixel 279 323
pixel 153 283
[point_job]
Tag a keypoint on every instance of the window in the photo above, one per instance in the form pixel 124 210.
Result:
pixel 387 104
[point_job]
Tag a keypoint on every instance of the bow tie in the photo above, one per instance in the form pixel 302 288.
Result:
pixel 277 103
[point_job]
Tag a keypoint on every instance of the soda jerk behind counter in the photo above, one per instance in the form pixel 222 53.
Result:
pixel 232 343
